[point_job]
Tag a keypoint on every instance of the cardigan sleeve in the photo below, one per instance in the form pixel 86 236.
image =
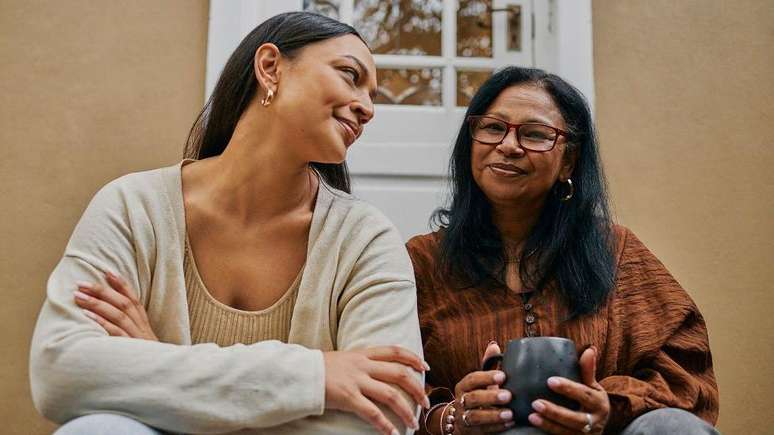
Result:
pixel 658 346
pixel 77 369
pixel 378 304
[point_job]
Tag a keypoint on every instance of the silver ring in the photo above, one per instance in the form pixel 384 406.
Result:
pixel 465 418
pixel 589 422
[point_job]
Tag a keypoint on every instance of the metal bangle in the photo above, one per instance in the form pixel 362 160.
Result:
pixel 429 412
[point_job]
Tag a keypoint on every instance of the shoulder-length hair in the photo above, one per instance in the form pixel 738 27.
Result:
pixel 237 85
pixel 571 243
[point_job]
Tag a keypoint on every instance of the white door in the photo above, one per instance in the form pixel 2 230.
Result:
pixel 431 56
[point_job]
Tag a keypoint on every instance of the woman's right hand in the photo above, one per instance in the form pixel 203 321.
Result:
pixel 480 402
pixel 355 381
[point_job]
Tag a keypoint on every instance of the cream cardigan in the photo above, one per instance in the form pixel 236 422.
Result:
pixel 357 291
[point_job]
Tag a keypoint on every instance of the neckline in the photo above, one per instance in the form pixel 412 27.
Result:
pixel 289 292
pixel 322 203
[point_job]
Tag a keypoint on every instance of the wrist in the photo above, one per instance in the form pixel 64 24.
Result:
pixel 427 422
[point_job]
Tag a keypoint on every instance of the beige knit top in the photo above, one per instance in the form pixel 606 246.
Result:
pixel 215 322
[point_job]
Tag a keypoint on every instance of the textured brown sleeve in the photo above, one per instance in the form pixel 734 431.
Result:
pixel 658 351
pixel 422 250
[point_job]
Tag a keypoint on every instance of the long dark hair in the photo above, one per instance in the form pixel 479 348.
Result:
pixel 237 85
pixel 571 243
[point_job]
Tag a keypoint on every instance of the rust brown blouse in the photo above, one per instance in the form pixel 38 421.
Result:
pixel 653 344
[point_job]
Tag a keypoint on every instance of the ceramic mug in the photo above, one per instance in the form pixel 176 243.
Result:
pixel 528 363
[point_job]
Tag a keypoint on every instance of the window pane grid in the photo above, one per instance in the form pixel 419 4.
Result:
pixel 414 72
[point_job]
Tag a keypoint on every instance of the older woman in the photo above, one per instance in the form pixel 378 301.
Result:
pixel 527 248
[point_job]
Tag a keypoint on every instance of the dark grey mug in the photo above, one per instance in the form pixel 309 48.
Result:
pixel 528 363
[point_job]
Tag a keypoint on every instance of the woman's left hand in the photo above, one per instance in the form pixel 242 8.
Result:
pixel 115 308
pixel 594 403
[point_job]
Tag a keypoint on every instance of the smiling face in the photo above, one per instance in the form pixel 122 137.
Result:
pixel 506 173
pixel 324 97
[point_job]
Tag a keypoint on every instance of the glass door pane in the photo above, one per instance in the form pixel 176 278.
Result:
pixel 468 82
pixel 474 28
pixel 406 27
pixel 415 86
pixel 329 8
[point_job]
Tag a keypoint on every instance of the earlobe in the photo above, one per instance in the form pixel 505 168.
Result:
pixel 568 164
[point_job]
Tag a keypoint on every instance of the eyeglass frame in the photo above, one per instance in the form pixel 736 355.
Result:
pixel 559 132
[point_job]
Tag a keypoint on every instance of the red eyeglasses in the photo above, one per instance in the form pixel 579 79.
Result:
pixel 530 136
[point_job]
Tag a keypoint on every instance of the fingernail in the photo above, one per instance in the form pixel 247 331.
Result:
pixel 499 377
pixel 491 342
pixel 84 284
pixel 89 314
pixel 426 365
pixel 535 419
pixel 506 415
pixel 554 382
pixel 538 406
pixel 504 396
pixel 81 296
pixel 510 424
pixel 414 424
pixel 427 403
pixel 395 432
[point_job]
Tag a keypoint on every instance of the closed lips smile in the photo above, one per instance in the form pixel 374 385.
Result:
pixel 350 130
pixel 506 170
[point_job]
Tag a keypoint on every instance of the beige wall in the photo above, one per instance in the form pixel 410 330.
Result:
pixel 685 96
pixel 90 90
pixel 684 105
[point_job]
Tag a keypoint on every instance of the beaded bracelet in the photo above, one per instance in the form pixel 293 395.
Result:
pixel 448 428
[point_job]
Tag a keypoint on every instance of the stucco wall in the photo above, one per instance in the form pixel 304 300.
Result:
pixel 90 90
pixel 684 103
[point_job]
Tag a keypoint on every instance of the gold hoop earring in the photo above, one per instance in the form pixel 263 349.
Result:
pixel 570 191
pixel 268 98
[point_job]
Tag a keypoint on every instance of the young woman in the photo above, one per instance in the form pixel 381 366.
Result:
pixel 527 248
pixel 241 288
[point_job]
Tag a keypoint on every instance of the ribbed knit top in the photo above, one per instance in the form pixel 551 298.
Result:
pixel 215 322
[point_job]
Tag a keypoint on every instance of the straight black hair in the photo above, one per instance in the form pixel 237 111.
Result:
pixel 571 243
pixel 237 85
